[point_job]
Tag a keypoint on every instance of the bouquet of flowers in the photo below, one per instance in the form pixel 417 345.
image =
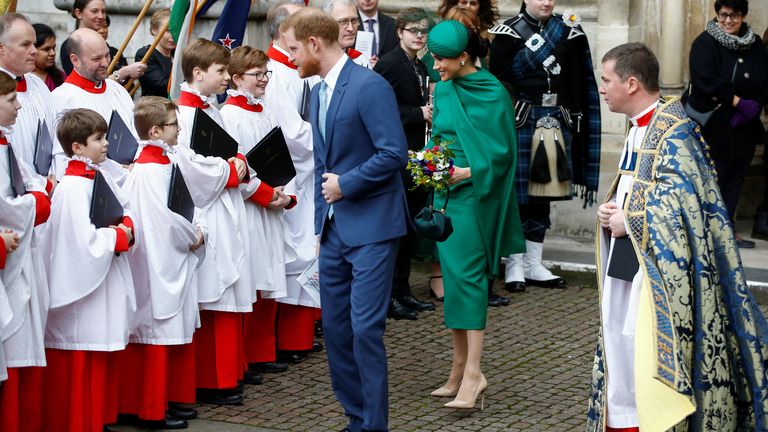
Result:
pixel 432 167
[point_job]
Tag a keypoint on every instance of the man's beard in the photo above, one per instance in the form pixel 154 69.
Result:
pixel 309 68
pixel 93 76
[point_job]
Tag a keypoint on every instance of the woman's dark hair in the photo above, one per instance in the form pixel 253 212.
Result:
pixel 488 13
pixel 477 47
pixel 42 34
pixel 737 5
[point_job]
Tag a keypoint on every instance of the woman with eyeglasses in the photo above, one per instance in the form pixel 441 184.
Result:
pixel 154 82
pixel 728 65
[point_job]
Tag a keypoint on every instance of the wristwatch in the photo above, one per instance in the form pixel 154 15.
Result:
pixel 116 76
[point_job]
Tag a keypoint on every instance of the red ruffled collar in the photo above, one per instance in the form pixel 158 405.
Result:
pixel 76 79
pixel 280 57
pixel 21 84
pixel 78 168
pixel 353 53
pixel 152 154
pixel 191 100
pixel 242 102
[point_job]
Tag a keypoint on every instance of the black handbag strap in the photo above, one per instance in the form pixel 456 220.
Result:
pixel 447 197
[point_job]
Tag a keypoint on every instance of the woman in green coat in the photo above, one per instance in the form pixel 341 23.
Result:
pixel 474 115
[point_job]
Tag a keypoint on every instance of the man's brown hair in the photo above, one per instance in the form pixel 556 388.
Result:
pixel 245 58
pixel 202 53
pixel 151 111
pixel 76 125
pixel 312 22
pixel 635 60
pixel 7 84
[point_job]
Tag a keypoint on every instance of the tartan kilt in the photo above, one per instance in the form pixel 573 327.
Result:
pixel 524 139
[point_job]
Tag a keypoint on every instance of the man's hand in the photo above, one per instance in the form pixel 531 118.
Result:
pixel 133 70
pixel 54 182
pixel 242 168
pixel 280 200
pixel 331 189
pixel 604 213
pixel 426 111
pixel 128 232
pixel 200 240
pixel 11 240
pixel 616 224
pixel 374 59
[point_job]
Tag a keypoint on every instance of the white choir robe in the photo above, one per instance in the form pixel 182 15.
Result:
pixel 223 278
pixel 92 293
pixel 285 78
pixel 6 314
pixel 301 242
pixel 619 306
pixel 359 58
pixel 24 278
pixel 36 106
pixel 161 263
pixel 77 92
pixel 266 227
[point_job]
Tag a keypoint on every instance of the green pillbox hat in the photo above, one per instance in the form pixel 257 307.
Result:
pixel 448 39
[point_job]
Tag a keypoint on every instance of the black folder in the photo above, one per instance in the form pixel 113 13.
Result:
pixel 43 149
pixel 122 144
pixel 623 264
pixel 304 108
pixel 271 159
pixel 17 180
pixel 179 199
pixel 210 139
pixel 106 210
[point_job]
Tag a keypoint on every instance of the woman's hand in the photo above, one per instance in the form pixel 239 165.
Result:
pixel 459 174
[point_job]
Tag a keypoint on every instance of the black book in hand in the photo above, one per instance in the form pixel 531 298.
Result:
pixel 43 149
pixel 106 209
pixel 210 139
pixel 304 109
pixel 624 264
pixel 179 199
pixel 17 180
pixel 122 144
pixel 271 159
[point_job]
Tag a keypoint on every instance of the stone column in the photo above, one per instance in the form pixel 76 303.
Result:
pixel 672 45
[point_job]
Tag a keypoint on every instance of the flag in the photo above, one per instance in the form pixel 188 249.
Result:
pixel 230 28
pixel 180 24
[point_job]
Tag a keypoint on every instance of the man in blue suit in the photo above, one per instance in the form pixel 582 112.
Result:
pixel 360 210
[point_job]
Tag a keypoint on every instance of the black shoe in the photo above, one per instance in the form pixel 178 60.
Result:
pixel 180 412
pixel 760 228
pixel 167 423
pixel 744 243
pixel 414 303
pixel 515 286
pixel 495 300
pixel 557 282
pixel 398 311
pixel 319 328
pixel 292 357
pixel 252 377
pixel 269 367
pixel 316 347
pixel 219 397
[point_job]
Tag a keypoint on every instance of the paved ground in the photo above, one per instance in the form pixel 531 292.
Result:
pixel 537 360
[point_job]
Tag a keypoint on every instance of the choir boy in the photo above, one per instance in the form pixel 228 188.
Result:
pixel 91 290
pixel 224 292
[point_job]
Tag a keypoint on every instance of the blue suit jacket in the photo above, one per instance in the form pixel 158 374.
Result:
pixel 365 145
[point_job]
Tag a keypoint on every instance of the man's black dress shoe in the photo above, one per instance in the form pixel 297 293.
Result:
pixel 269 367
pixel 167 423
pixel 399 311
pixel 219 397
pixel 495 300
pixel 291 357
pixel 414 303
pixel 252 377
pixel 316 347
pixel 319 328
pixel 557 282
pixel 180 412
pixel 744 243
pixel 515 286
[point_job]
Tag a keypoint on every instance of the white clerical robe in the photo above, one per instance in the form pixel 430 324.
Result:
pixel 161 263
pixel 26 288
pixel 223 279
pixel 285 78
pixel 92 293
pixel 620 298
pixel 266 227
pixel 77 92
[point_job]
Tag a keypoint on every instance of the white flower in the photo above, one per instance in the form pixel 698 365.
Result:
pixel 437 176
pixel 420 155
pixel 571 18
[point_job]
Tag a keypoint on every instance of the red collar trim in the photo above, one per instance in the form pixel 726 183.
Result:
pixel 78 168
pixel 77 80
pixel 353 53
pixel 21 84
pixel 278 56
pixel 242 102
pixel 152 154
pixel 646 119
pixel 191 100
pixel 3 140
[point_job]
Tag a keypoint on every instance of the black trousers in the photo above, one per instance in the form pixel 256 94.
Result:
pixel 730 177
pixel 401 287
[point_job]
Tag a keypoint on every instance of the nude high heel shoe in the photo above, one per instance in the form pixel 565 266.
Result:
pixel 480 392
pixel 446 391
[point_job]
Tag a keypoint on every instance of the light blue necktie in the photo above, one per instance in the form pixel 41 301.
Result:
pixel 323 108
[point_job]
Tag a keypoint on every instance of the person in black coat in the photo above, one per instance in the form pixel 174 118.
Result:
pixel 728 65
pixel 384 27
pixel 408 77
pixel 154 82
